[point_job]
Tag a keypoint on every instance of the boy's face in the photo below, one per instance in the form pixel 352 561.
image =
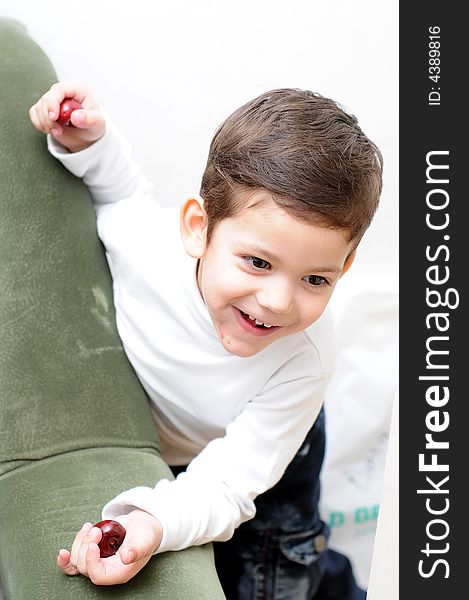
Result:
pixel 266 275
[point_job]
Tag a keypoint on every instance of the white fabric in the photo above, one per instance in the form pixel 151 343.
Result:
pixel 358 404
pixel 237 421
pixel 384 574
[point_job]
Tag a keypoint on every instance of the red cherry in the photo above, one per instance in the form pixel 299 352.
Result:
pixel 66 108
pixel 113 536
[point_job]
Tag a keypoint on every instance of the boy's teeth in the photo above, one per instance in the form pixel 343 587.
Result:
pixel 257 321
pixel 261 323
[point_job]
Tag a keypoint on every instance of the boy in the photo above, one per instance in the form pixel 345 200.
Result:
pixel 225 330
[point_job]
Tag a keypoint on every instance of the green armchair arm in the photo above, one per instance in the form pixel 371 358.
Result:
pixel 75 424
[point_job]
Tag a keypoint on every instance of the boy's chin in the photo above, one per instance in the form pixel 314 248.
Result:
pixel 241 349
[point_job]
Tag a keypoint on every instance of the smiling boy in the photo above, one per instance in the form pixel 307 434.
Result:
pixel 264 275
pixel 225 332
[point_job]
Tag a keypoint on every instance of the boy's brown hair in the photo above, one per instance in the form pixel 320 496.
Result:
pixel 305 150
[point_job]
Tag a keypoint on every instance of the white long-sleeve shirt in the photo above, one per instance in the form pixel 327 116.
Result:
pixel 237 422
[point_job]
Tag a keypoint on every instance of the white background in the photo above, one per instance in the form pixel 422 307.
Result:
pixel 168 73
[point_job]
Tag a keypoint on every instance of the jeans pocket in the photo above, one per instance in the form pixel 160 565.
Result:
pixel 303 548
pixel 300 566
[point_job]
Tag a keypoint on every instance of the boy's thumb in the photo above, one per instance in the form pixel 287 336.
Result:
pixel 84 119
pixel 128 555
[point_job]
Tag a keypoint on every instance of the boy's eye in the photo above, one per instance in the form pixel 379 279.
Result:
pixel 258 263
pixel 315 280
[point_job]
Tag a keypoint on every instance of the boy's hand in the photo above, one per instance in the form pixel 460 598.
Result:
pixel 143 537
pixel 89 124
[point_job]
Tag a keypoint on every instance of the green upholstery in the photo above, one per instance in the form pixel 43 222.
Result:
pixel 75 424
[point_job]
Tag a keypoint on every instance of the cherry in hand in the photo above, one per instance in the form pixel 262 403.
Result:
pixel 67 106
pixel 113 536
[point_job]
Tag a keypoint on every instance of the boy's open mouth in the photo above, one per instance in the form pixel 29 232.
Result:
pixel 255 322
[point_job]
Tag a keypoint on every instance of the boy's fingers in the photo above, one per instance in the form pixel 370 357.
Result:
pixel 57 130
pixel 92 537
pixel 48 107
pixel 86 119
pixel 128 555
pixel 41 119
pixel 50 102
pixel 63 562
pixel 77 542
pixel 54 97
pixel 33 117
pixel 81 119
pixel 37 118
pixel 102 572
pixel 95 566
pixel 66 89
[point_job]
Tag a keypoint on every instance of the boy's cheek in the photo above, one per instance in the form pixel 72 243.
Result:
pixel 226 286
pixel 314 316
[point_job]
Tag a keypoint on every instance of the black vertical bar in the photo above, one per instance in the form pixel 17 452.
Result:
pixel 434 234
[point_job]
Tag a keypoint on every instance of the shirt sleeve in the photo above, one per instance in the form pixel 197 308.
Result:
pixel 217 492
pixel 106 167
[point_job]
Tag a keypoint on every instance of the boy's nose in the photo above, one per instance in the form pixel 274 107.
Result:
pixel 277 299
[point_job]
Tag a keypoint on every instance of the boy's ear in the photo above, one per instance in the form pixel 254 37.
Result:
pixel 193 225
pixel 348 262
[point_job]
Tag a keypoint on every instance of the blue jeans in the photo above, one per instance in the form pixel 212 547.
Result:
pixel 282 554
